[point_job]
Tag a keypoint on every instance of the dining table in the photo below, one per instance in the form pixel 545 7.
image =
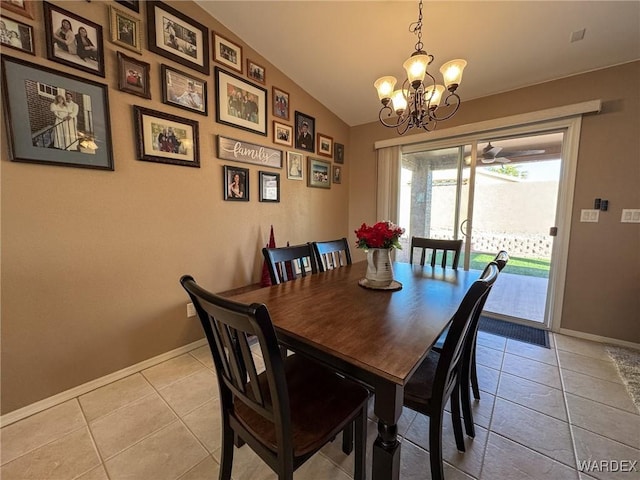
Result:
pixel 375 336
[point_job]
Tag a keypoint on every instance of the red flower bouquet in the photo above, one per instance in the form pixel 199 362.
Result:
pixel 381 235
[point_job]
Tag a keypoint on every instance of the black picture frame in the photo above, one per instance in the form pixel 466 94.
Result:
pixel 173 35
pixel 305 140
pixel 134 76
pixel 89 58
pixel 77 137
pixel 230 87
pixel 183 91
pixel 131 4
pixel 166 138
pixel 19 36
pixel 235 191
pixel 338 152
pixel 269 186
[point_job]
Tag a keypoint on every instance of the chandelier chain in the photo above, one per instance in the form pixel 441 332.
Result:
pixel 416 28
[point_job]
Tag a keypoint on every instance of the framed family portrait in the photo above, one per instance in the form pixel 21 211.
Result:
pixel 132 4
pixel 73 40
pixel 280 103
pixel 256 72
pixel 338 152
pixel 282 134
pixel 318 173
pixel 305 128
pixel 21 7
pixel 125 30
pixel 325 145
pixel 133 76
pixel 183 91
pixel 54 118
pixel 166 138
pixel 239 103
pixel 236 183
pixel 337 174
pixel 175 36
pixel 16 35
pixel 227 53
pixel 295 169
pixel 269 186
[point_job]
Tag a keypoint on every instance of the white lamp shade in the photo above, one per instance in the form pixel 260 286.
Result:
pixel 452 72
pixel 399 99
pixel 385 86
pixel 416 67
pixel 433 95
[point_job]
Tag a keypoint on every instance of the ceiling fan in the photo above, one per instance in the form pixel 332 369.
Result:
pixel 491 154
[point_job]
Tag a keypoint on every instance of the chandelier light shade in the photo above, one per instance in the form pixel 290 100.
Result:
pixel 419 103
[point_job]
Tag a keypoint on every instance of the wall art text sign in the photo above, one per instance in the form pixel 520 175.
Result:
pixel 241 151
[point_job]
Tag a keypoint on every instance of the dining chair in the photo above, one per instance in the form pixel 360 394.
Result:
pixel 290 410
pixel 435 245
pixel 285 263
pixel 332 254
pixel 437 378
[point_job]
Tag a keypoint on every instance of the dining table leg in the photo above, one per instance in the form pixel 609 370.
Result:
pixel 386 449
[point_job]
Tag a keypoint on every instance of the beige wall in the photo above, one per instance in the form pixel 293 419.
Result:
pixel 91 259
pixel 602 294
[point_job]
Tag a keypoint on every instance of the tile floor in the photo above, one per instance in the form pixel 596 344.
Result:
pixel 542 411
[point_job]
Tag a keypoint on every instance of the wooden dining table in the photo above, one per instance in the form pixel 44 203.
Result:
pixel 377 337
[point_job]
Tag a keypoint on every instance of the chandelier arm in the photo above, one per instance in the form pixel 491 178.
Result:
pixel 400 120
pixel 448 106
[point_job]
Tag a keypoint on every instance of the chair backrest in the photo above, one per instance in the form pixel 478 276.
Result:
pixel 502 258
pixel 285 263
pixel 228 325
pixel 435 245
pixel 332 254
pixel 451 358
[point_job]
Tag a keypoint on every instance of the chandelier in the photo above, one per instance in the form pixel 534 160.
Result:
pixel 419 103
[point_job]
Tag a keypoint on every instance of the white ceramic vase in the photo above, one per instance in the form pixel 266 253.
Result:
pixel 379 269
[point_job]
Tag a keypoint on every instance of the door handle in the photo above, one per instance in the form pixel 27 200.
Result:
pixel 463 229
pixel 553 231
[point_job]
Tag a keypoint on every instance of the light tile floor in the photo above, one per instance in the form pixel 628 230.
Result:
pixel 542 413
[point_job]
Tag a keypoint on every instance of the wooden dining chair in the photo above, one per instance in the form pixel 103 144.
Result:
pixel 437 379
pixel 286 263
pixel 436 245
pixel 332 254
pixel 290 410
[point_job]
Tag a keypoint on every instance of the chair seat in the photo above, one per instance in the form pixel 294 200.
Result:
pixel 417 392
pixel 318 399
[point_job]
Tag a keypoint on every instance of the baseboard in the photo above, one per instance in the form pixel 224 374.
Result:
pixel 600 339
pixel 62 397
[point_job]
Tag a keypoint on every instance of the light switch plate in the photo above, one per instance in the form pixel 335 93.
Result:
pixel 591 216
pixel 630 215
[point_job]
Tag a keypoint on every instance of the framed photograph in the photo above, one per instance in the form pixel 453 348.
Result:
pixel 227 53
pixel 269 186
pixel 73 41
pixel 21 7
pixel 125 30
pixel 236 183
pixel 305 128
pixel 175 36
pixel 55 118
pixel 325 145
pixel 133 76
pixel 280 103
pixel 16 35
pixel 132 4
pixel 338 153
pixel 165 138
pixel 337 174
pixel 282 134
pixel 183 91
pixel 295 170
pixel 318 173
pixel 256 72
pixel 240 104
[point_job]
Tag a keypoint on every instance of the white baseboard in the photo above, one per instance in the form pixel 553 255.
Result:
pixel 59 398
pixel 598 338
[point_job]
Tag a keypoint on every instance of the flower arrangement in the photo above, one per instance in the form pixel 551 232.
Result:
pixel 380 235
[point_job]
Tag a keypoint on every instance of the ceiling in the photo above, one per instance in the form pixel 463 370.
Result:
pixel 335 50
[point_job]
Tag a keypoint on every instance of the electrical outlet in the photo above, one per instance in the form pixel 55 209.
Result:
pixel 591 216
pixel 630 215
pixel 191 310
